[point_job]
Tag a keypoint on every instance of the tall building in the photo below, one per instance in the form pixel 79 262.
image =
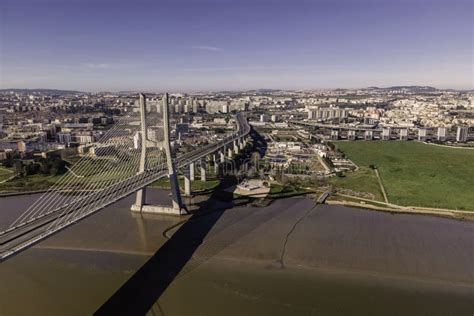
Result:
pixel 225 108
pixel 324 113
pixel 22 146
pixel 64 138
pixel 195 106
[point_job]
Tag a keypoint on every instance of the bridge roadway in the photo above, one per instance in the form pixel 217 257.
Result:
pixel 24 235
pixel 339 127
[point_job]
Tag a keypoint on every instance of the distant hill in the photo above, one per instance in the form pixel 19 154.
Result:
pixel 44 91
pixel 409 89
pixel 413 89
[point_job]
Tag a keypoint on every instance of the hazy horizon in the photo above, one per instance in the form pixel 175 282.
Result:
pixel 157 91
pixel 214 45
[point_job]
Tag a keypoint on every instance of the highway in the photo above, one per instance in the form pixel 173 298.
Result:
pixel 25 235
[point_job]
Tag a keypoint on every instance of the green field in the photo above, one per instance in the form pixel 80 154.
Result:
pixel 413 173
pixel 363 181
pixel 35 182
pixel 5 173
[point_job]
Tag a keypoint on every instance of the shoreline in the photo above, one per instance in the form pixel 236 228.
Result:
pixel 450 214
pixel 463 215
pixel 17 193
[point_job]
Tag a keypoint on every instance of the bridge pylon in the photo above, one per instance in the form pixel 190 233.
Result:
pixel 177 207
pixel 141 194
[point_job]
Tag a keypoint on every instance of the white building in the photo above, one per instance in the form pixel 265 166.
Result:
pixel 64 138
pixel 225 108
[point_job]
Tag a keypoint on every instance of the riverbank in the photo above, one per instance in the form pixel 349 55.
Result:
pixel 368 204
pixel 6 194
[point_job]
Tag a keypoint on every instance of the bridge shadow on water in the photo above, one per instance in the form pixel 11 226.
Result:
pixel 144 288
pixel 185 250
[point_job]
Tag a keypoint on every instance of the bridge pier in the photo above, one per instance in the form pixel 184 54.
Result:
pixel 230 153
pixel 216 164
pixel 236 147
pixel 222 155
pixel 191 171
pixel 187 181
pixel 241 144
pixel 203 169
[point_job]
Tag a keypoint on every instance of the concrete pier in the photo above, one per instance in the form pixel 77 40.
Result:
pixel 191 171
pixel 236 147
pixel 216 163
pixel 222 155
pixel 187 181
pixel 203 169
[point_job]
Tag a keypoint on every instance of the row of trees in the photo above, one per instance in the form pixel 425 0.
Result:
pixel 46 166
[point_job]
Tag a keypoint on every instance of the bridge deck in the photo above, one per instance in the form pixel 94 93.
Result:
pixel 25 235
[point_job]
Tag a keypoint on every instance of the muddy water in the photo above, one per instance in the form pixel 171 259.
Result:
pixel 290 258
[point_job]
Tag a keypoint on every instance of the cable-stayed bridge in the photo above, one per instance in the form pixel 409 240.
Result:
pixel 134 153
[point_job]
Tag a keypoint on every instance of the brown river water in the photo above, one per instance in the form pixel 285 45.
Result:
pixel 289 258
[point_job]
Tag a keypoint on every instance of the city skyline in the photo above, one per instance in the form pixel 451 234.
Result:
pixel 212 46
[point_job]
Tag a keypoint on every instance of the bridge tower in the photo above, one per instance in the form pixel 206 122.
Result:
pixel 177 207
pixel 141 194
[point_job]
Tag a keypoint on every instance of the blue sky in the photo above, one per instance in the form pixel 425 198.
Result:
pixel 213 45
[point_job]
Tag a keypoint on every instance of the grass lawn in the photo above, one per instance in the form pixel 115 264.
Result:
pixel 31 183
pixel 5 173
pixel 363 181
pixel 413 173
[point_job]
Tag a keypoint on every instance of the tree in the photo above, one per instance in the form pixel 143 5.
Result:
pixel 18 168
pixel 45 167
pixel 8 163
pixel 58 166
pixel 31 169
